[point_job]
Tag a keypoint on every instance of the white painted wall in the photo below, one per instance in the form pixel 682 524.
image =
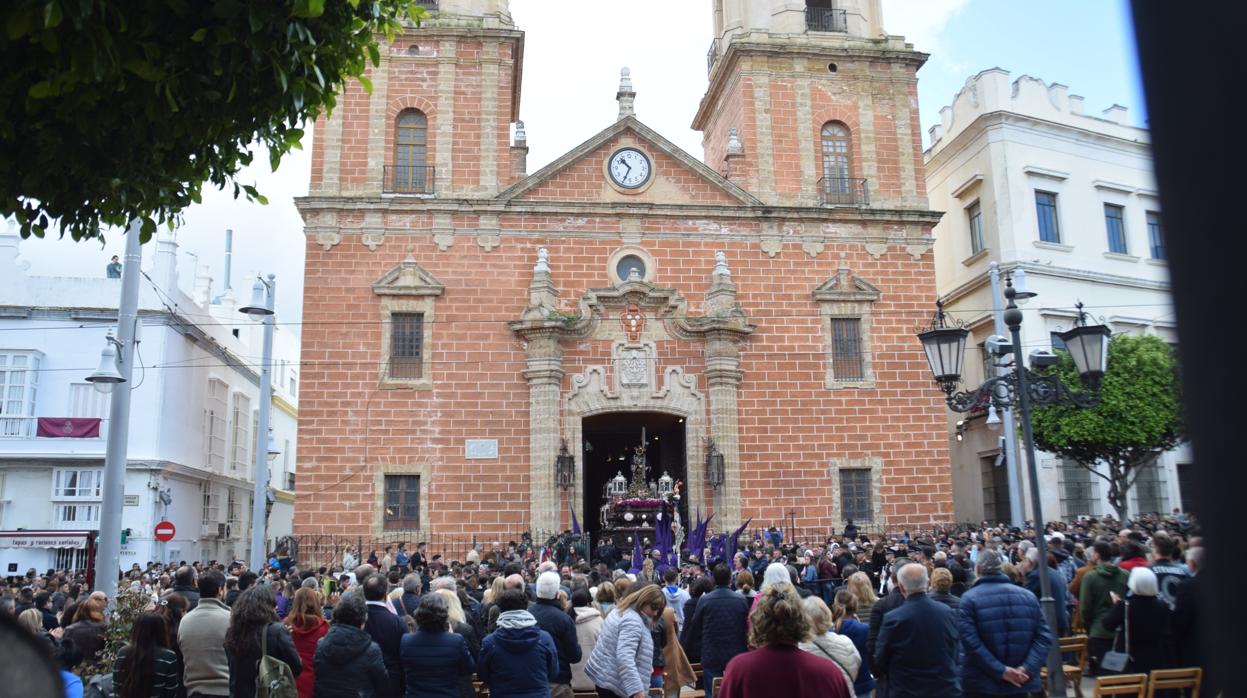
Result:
pixel 66 319
pixel 997 144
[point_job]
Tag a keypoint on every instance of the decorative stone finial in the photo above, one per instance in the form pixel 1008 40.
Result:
pixel 734 146
pixel 720 265
pixel 626 96
pixel 543 262
pixel 521 136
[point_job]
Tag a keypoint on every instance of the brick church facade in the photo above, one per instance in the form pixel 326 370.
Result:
pixel 465 321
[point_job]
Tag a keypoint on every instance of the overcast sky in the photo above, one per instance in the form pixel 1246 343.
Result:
pixel 573 51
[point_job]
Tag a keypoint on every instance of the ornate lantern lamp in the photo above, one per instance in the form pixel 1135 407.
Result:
pixel 565 467
pixel 666 485
pixel 714 465
pixel 1088 347
pixel 618 485
pixel 945 347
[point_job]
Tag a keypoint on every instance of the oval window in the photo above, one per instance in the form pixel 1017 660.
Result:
pixel 627 264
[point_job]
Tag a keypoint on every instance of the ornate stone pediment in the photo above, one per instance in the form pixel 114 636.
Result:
pixel 408 279
pixel 844 287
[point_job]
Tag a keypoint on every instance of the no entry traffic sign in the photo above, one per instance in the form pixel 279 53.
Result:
pixel 165 531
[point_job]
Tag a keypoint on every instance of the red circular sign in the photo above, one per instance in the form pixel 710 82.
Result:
pixel 165 531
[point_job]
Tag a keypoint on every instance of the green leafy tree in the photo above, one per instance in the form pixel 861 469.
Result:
pixel 122 614
pixel 1139 416
pixel 116 109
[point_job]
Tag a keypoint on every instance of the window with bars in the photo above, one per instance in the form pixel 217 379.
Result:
pixel 402 502
pixel 406 345
pixel 846 349
pixel 1045 209
pixel 76 484
pixel 241 434
pixel 855 504
pixel 215 425
pixel 1115 226
pixel 1155 239
pixel 974 215
pixel 1077 490
pixel 1149 491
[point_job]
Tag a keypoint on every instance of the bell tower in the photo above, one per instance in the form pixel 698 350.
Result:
pixel 813 104
pixel 437 123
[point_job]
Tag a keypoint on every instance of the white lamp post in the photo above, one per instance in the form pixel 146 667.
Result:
pixel 263 294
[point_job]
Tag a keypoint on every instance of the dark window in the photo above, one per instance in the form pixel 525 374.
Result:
pixel 411 139
pixel 1154 237
pixel 855 494
pixel 846 349
pixel 1115 224
pixel 1149 491
pixel 1077 490
pixel 1186 485
pixel 407 345
pixel 1045 208
pixel 996 507
pixel 402 502
pixel 975 215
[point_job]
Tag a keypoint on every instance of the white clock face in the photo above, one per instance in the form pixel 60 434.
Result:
pixel 629 168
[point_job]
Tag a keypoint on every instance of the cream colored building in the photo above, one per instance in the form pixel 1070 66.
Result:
pixel 1027 179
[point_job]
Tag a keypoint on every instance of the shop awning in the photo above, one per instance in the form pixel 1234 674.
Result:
pixel 76 540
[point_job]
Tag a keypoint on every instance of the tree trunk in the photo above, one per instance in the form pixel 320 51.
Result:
pixel 1118 489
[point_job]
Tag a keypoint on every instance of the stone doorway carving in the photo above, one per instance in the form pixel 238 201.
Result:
pixel 591 395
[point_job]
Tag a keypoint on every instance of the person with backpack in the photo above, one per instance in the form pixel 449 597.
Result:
pixel 347 662
pixel 257 644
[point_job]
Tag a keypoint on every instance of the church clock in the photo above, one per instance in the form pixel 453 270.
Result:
pixel 629 168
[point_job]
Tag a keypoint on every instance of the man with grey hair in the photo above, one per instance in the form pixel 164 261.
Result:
pixel 1003 632
pixel 446 582
pixel 1030 567
pixel 552 618
pixel 918 643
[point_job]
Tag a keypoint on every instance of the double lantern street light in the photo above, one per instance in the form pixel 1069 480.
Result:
pixel 1020 388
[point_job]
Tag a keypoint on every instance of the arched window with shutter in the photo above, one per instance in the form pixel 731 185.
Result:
pixel 837 184
pixel 411 173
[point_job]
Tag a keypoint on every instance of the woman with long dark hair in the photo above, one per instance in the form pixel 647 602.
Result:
pixel 172 607
pixel 307 626
pixel 255 612
pixel 146 667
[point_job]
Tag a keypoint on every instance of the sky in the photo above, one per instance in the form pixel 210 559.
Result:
pixel 1088 46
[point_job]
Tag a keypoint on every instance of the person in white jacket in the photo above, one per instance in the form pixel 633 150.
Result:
pixel 588 626
pixel 623 658
pixel 827 644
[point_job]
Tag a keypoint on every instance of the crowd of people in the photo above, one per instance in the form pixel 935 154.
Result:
pixel 947 613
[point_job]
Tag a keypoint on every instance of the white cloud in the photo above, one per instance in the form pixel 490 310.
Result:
pixel 921 22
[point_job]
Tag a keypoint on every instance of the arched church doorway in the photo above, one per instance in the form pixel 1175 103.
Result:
pixel 609 444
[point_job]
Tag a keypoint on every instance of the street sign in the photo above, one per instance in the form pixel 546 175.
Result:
pixel 165 531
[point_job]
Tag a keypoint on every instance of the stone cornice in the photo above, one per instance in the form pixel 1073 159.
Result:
pixel 964 138
pixel 1035 270
pixel 725 67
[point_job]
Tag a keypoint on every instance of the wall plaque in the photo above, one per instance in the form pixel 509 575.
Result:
pixel 474 449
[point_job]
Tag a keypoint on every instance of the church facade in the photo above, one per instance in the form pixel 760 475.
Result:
pixel 485 348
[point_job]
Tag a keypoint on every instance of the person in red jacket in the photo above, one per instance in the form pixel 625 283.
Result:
pixel 307 626
pixel 778 668
pixel 1132 556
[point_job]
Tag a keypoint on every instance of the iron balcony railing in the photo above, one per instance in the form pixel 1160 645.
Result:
pixel 27 428
pixel 430 5
pixel 842 191
pixel 825 19
pixel 711 55
pixel 408 179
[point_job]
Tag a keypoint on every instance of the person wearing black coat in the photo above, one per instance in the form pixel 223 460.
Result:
pixel 716 632
pixel 918 643
pixel 552 618
pixel 435 660
pixel 386 629
pixel 887 603
pixel 1150 643
pixel 348 663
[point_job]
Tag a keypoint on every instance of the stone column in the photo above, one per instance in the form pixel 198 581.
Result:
pixel 723 376
pixel 545 386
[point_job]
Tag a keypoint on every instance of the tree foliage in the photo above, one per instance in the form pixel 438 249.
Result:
pixel 115 109
pixel 1138 418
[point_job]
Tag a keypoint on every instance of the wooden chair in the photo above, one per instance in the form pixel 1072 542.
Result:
pixel 585 694
pixel 716 685
pixel 1121 685
pixel 655 693
pixel 480 689
pixel 1077 646
pixel 1163 679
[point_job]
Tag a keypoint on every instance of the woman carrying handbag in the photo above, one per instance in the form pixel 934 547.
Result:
pixel 1145 620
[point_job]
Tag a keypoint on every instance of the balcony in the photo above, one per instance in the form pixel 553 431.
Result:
pixel 408 179
pixel 711 55
pixel 825 19
pixel 842 191
pixel 430 5
pixel 28 428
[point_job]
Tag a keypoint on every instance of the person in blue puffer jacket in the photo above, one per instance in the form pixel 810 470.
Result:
pixel 435 660
pixel 518 660
pixel 1003 634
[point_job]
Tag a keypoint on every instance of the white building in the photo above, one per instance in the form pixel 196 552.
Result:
pixel 1028 180
pixel 192 424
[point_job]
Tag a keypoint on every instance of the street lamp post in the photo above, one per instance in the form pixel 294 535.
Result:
pixel 263 295
pixel 1022 387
